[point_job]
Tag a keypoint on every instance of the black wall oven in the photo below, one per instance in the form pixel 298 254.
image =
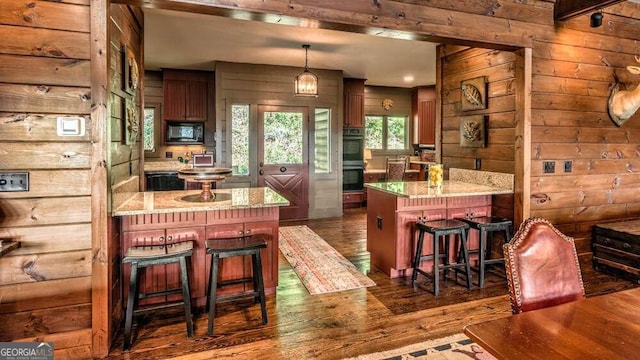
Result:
pixel 353 159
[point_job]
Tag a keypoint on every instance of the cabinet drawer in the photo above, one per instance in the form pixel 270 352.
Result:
pixel 352 197
pixel 373 177
pixel 619 244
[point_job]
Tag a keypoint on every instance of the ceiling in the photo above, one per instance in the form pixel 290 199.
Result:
pixel 193 41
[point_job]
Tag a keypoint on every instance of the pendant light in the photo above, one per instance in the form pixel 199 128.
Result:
pixel 306 83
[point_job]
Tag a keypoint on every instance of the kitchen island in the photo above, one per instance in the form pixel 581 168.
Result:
pixel 154 217
pixel 394 207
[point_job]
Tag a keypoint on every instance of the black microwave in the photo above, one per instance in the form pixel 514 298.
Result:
pixel 184 133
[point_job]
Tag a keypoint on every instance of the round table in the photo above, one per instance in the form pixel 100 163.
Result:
pixel 206 176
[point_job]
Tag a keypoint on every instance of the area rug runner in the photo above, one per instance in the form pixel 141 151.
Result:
pixel 454 347
pixel 318 265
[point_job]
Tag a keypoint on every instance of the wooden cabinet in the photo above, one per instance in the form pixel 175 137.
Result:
pixel 199 226
pixel 236 267
pixel 353 103
pixel 391 231
pixel 411 175
pixel 616 249
pixel 423 111
pixel 352 199
pixel 185 95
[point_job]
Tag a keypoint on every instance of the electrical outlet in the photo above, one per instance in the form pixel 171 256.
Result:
pixel 14 181
pixel 168 154
pixel 379 222
pixel 548 167
pixel 567 166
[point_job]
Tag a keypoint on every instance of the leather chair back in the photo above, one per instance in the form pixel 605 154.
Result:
pixel 542 267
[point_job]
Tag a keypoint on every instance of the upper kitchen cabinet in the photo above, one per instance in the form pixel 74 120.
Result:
pixel 185 95
pixel 423 111
pixel 353 103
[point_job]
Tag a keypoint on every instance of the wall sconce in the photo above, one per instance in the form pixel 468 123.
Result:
pixel 306 83
pixel 596 19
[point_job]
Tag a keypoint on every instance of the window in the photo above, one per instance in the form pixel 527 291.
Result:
pixel 240 139
pixel 148 128
pixel 383 132
pixel 322 146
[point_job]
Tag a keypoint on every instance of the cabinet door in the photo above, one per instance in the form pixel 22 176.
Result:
pixel 197 263
pixel 354 110
pixel 174 100
pixel 269 256
pixel 196 101
pixel 427 122
pixel 152 278
pixel 228 268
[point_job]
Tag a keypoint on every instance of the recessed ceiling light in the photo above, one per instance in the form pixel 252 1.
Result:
pixel 408 78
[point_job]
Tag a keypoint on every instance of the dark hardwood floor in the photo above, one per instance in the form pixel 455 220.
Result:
pixel 338 325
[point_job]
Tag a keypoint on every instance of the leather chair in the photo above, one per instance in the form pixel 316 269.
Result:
pixel 395 169
pixel 542 267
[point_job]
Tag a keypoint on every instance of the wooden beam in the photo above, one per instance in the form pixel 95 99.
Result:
pixel 566 9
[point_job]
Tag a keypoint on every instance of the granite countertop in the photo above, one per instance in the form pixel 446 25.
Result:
pixel 163 166
pixel 152 202
pixel 383 171
pixel 461 182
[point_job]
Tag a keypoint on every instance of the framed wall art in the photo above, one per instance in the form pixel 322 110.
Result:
pixel 130 71
pixel 131 122
pixel 473 131
pixel 474 94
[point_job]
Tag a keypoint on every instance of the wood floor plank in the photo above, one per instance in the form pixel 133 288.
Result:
pixel 337 325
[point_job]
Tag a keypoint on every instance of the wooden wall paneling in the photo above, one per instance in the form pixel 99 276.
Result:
pixel 50 238
pixel 45 267
pixel 53 293
pixel 522 171
pixel 46 211
pixel 67 343
pixel 45 14
pixel 53 156
pixel 58 182
pixel 37 127
pixel 44 42
pixel 42 98
pixel 29 324
pixel 22 69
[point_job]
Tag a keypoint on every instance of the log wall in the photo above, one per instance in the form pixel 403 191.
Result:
pixel 498 154
pixel 45 286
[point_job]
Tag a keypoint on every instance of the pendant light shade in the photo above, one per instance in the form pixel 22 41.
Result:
pixel 306 83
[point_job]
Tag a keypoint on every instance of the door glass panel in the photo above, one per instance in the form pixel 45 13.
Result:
pixel 240 139
pixel 283 134
pixel 322 140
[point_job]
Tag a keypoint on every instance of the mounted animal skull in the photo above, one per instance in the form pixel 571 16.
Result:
pixel 624 103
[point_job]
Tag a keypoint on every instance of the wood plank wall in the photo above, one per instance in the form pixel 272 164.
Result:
pixel 124 161
pixel 459 64
pixel 273 85
pixel 573 69
pixel 45 286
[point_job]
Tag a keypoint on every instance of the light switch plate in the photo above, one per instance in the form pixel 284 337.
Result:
pixel 70 126
pixel 548 167
pixel 14 181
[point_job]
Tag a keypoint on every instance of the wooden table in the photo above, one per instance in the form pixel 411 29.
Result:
pixel 601 327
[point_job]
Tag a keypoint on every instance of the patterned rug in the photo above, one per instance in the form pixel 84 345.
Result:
pixel 318 265
pixel 454 347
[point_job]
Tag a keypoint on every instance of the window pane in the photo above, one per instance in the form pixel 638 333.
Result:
pixel 148 129
pixel 396 132
pixel 283 137
pixel 373 132
pixel 240 139
pixel 322 140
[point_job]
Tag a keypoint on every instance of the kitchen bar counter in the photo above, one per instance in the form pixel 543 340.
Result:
pixel 151 202
pixel 393 209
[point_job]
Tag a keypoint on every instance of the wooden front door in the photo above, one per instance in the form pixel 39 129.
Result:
pixel 283 160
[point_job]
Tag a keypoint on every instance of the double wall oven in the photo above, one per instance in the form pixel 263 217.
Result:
pixel 353 159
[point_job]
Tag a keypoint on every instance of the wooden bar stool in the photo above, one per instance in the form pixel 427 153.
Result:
pixel 442 229
pixel 224 248
pixel 141 257
pixel 488 225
